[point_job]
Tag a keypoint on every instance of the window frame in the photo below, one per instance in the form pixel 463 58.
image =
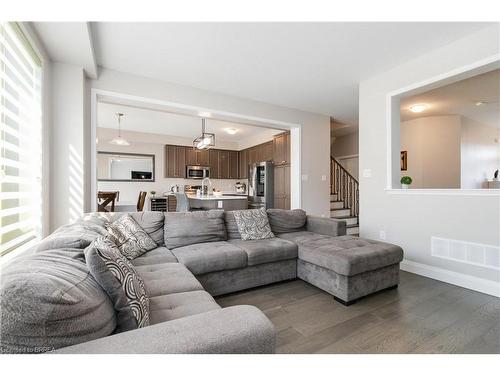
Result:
pixel 393 185
pixel 30 41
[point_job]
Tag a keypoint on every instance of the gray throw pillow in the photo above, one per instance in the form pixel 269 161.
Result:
pixel 49 300
pixel 253 224
pixel 286 221
pixel 118 277
pixel 130 238
pixel 188 228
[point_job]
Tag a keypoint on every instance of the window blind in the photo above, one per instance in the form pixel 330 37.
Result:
pixel 20 140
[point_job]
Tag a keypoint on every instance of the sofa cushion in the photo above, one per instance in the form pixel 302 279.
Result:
pixel 286 221
pixel 157 256
pixel 187 228
pixel 253 224
pixel 77 235
pixel 50 300
pixel 167 278
pixel 345 255
pixel 151 221
pixel 118 277
pixel 130 238
pixel 267 250
pixel 211 256
pixel 179 305
pixel 231 227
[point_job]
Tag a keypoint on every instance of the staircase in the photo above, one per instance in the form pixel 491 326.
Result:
pixel 344 197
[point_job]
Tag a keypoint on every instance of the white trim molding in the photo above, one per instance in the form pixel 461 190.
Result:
pixel 465 281
pixel 295 130
pixel 487 192
pixel 393 118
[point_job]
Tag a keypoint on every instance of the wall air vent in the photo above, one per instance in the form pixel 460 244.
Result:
pixel 487 256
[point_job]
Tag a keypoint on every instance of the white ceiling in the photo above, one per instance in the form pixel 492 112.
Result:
pixel 310 66
pixel 460 98
pixel 166 123
pixel 69 42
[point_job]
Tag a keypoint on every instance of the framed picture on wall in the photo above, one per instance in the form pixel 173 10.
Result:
pixel 404 160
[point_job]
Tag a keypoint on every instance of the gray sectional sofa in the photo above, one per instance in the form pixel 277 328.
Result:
pixel 50 301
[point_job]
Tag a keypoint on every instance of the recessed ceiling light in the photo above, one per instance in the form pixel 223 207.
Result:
pixel 231 131
pixel 480 103
pixel 417 108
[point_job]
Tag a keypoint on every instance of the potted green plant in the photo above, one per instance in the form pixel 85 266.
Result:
pixel 153 193
pixel 406 181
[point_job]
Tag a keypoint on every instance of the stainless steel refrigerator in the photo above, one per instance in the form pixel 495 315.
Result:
pixel 261 185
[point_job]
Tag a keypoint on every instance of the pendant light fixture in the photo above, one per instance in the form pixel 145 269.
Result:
pixel 205 140
pixel 119 141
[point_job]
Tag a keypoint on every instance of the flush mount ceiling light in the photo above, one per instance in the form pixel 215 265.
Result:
pixel 205 140
pixel 417 108
pixel 119 141
pixel 231 131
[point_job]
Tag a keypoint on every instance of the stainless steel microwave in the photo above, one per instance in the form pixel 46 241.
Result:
pixel 197 172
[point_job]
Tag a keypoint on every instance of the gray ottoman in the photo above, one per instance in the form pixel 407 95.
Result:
pixel 347 267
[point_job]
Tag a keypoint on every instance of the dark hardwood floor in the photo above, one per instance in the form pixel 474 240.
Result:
pixel 421 316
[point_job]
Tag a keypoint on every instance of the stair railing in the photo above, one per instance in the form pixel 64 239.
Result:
pixel 345 186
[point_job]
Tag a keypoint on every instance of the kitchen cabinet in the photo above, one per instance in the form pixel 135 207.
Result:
pixel 282 187
pixel 266 151
pixel 175 161
pixel 233 164
pixel 197 157
pixel 243 164
pixel 223 164
pixel 213 155
pixel 252 155
pixel 281 149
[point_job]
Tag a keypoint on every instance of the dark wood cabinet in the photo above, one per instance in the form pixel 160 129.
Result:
pixel 233 164
pixel 197 157
pixel 224 163
pixel 175 161
pixel 243 164
pixel 281 149
pixel 282 187
pixel 213 155
pixel 267 151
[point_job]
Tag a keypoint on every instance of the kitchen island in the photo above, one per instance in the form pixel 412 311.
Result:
pixel 226 202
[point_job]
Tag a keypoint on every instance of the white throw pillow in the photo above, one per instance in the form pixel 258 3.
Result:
pixel 253 224
pixel 130 238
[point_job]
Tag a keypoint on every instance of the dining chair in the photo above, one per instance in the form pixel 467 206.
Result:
pixel 105 199
pixel 182 202
pixel 141 200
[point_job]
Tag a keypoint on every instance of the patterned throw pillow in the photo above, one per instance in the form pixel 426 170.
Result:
pixel 253 224
pixel 130 238
pixel 119 279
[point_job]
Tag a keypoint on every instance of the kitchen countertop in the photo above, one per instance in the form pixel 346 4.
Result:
pixel 214 198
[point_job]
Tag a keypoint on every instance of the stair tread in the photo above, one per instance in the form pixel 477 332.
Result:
pixel 344 217
pixel 339 209
pixel 352 226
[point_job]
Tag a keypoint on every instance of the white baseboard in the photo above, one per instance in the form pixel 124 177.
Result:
pixel 451 277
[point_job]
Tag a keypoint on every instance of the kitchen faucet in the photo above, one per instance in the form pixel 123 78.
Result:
pixel 203 186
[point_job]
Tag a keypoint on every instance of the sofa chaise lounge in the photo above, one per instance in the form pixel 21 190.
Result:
pixel 50 301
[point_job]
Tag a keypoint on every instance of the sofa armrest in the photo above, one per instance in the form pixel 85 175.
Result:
pixel 237 329
pixel 326 226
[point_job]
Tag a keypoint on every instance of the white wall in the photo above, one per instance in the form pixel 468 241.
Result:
pixel 68 187
pixel 144 143
pixel 315 129
pixel 411 219
pixel 433 147
pixel 480 153
pixel 346 145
